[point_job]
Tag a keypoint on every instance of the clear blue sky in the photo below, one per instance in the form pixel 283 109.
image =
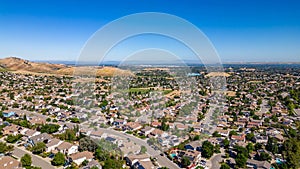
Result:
pixel 241 30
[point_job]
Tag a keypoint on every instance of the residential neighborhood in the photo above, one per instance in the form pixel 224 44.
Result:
pixel 68 123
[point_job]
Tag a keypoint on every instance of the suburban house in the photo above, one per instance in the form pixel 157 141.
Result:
pixel 119 122
pixel 36 120
pixel 156 124
pixel 29 132
pixel 79 157
pixel 147 130
pixel 168 140
pixel 254 124
pixel 132 126
pixel 131 159
pixel 11 129
pixel 194 145
pixel 44 137
pixel 258 164
pixel 111 139
pixel 241 138
pixel 67 148
pixel 239 124
pixel 193 156
pixel 214 140
pixel 9 163
pixel 261 139
pixel 52 144
pixel 181 126
pixel 224 133
pixel 130 148
pixel 93 163
pixel 96 134
pixel 157 132
pixel 143 164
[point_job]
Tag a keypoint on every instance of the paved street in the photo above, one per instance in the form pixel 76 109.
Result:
pixel 215 160
pixel 36 160
pixel 264 108
pixel 163 161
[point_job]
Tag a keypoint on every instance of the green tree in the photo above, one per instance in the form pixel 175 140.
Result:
pixel 75 120
pixel 164 126
pixel 49 128
pixel 38 148
pixel 143 149
pixel 113 164
pixel 255 117
pixel 224 166
pixel 274 118
pixel 216 134
pixel 85 162
pixel 226 143
pixel 292 132
pixel 207 149
pixel 217 149
pixel 101 155
pixel 291 152
pixel 4 148
pixel 242 155
pixel 264 157
pixel 69 135
pixel 109 154
pixel 25 123
pixel 13 138
pixel 94 167
pixel 267 120
pixel 197 137
pixel 185 162
pixel 257 146
pixel 59 159
pixel 26 160
pixel 240 160
pixel 232 132
pixel 250 147
pixel 250 136
pixel 241 150
pixel 272 145
pixel 87 144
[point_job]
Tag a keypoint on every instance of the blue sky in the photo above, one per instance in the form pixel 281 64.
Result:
pixel 240 30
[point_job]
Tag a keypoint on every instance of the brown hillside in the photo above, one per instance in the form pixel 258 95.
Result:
pixel 20 65
pixel 17 64
pixel 84 70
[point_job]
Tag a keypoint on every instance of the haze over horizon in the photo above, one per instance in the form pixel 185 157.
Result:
pixel 250 31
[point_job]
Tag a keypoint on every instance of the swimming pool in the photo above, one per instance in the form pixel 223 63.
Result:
pixel 173 155
pixel 278 161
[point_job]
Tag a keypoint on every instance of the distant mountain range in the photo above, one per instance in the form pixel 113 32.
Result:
pixel 187 62
pixel 106 68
